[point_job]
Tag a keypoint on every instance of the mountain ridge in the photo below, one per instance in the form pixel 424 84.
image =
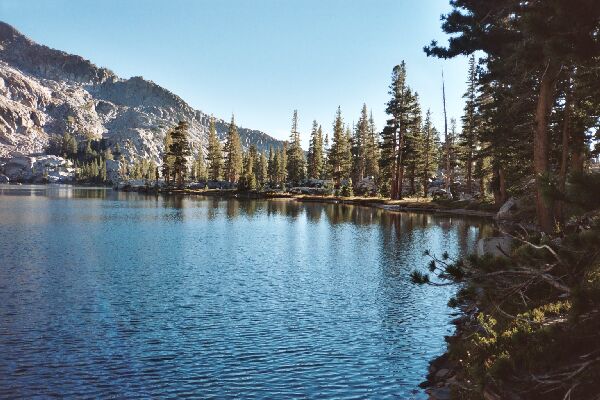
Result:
pixel 46 92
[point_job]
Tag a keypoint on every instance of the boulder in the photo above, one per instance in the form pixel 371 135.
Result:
pixel 367 186
pixel 220 185
pixel 442 373
pixel 495 246
pixel 442 393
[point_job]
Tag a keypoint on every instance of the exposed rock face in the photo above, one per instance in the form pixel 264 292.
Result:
pixel 47 92
pixel 44 168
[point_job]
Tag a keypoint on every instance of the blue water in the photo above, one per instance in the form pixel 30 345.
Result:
pixel 106 294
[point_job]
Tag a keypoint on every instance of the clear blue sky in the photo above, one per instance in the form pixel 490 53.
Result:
pixel 259 59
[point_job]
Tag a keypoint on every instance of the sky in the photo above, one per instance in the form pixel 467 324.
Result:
pixel 259 59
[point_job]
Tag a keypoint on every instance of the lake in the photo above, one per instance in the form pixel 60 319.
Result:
pixel 112 294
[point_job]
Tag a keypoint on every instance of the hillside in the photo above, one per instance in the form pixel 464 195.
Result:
pixel 47 92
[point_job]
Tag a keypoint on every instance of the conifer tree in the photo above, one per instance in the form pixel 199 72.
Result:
pixel 167 159
pixel 430 150
pixel 413 148
pixel 400 108
pixel 282 164
pixel 450 155
pixel 531 48
pixel 340 156
pixel 360 145
pixel 247 180
pixel 200 171
pixel 273 165
pixel 315 152
pixel 296 165
pixel 234 156
pixel 179 150
pixel 372 150
pixel 215 154
pixel 468 136
pixel 262 170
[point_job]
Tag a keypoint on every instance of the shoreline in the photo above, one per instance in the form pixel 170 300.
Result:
pixel 405 205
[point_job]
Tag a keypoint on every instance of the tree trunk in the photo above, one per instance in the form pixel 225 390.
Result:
pixel 502 186
pixel 541 143
pixel 400 167
pixel 564 160
pixel 499 186
pixel 578 153
pixel 470 172
pixel 412 180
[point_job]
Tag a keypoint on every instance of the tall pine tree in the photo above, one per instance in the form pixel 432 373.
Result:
pixel 234 157
pixel 215 154
pixel 296 164
pixel 315 152
pixel 340 156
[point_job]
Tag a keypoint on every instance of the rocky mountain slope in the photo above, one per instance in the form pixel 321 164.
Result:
pixel 47 92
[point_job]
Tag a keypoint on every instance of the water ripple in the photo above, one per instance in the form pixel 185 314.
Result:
pixel 106 295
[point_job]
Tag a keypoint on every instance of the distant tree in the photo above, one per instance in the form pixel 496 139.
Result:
pixel 273 166
pixel 450 152
pixel 200 171
pixel 414 146
pixel 339 156
pixel 360 146
pixel 167 159
pixel 296 164
pixel 234 156
pixel 262 170
pixel 282 164
pixel 315 152
pixel 372 150
pixel 430 151
pixel 470 121
pixel 247 180
pixel 400 108
pixel 179 150
pixel 215 154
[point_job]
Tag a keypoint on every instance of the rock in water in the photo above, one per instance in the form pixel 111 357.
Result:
pixel 47 92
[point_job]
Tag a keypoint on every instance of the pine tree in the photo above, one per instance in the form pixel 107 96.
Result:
pixel 360 145
pixel 273 165
pixel 262 170
pixel 315 152
pixel 414 146
pixel 531 48
pixel 234 156
pixel 400 108
pixel 215 154
pixel 372 150
pixel 430 150
pixel 179 150
pixel 340 156
pixel 247 180
pixel 450 152
pixel 296 165
pixel 201 173
pixel 167 159
pixel 282 164
pixel 468 137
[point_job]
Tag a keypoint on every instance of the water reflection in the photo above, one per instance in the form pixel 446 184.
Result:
pixel 111 294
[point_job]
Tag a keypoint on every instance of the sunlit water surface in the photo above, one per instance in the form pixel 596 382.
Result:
pixel 106 294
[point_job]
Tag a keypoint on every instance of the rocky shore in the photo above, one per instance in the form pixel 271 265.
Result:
pixel 443 373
